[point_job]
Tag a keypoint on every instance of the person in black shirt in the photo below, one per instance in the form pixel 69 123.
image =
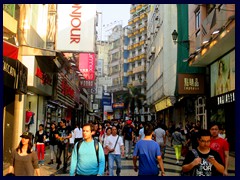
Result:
pixel 207 162
pixel 63 135
pixel 53 142
pixel 128 134
pixel 40 138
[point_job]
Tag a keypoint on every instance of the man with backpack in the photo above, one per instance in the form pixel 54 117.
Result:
pixel 87 157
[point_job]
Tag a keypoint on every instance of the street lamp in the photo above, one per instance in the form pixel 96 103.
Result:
pixel 175 36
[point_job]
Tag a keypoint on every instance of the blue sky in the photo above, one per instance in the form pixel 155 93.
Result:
pixel 112 14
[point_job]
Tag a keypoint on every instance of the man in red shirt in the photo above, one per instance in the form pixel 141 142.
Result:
pixel 220 145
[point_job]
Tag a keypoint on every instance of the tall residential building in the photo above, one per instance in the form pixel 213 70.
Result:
pixel 137 51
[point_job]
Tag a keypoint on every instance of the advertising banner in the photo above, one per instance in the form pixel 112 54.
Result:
pixel 223 75
pixel 87 65
pixel 76 27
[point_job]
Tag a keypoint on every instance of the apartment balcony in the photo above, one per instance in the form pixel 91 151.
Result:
pixel 130 35
pixel 136 58
pixel 129 85
pixel 137 83
pixel 136 32
pixel 130 47
pixel 138 6
pixel 132 10
pixel 130 22
pixel 141 42
pixel 130 72
pixel 135 45
pixel 130 60
pixel 136 19
pixel 143 56
pixel 143 15
pixel 139 69
pixel 142 29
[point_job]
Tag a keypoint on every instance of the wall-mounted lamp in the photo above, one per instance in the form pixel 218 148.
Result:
pixel 175 36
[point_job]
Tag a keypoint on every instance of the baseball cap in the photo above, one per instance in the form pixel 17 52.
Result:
pixel 26 135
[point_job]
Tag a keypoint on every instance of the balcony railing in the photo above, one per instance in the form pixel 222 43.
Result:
pixel 138 6
pixel 139 69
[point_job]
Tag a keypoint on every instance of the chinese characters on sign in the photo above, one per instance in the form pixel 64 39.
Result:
pixel 190 84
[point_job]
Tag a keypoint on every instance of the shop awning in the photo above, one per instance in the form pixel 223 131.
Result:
pixel 10 50
pixel 163 104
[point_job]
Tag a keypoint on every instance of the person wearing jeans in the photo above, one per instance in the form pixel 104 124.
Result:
pixel 115 145
pixel 128 134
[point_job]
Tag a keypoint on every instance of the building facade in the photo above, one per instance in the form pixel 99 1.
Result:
pixel 212 29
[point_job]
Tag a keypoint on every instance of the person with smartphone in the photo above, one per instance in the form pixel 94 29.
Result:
pixel 207 162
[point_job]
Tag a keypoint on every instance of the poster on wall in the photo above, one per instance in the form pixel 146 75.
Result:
pixel 223 75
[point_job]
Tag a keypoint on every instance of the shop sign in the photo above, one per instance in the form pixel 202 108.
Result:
pixel 66 89
pixel 15 74
pixel 45 78
pixel 190 84
pixel 10 72
pixel 226 98
pixel 118 105
pixel 86 84
pixel 87 65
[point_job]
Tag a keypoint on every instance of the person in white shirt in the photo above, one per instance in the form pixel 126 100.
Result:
pixel 115 145
pixel 160 137
pixel 77 133
pixel 141 132
pixel 71 143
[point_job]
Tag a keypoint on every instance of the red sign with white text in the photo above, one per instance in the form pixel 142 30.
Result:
pixel 87 65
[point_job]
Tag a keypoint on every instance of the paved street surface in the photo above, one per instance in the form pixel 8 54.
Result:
pixel 171 168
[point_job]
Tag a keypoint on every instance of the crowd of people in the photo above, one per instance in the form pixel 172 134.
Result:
pixel 93 148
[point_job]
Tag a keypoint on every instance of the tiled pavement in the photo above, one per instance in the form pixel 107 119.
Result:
pixel 170 166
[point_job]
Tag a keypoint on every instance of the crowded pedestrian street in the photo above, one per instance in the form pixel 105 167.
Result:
pixel 170 166
pixel 143 89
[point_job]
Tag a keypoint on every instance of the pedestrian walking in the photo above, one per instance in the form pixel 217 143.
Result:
pixel 207 162
pixel 128 136
pixel 114 143
pixel 176 142
pixel 159 135
pixel 84 161
pixel 105 149
pixel 220 145
pixel 24 161
pixel 63 135
pixel 53 143
pixel 147 151
pixel 71 144
pixel 141 134
pixel 77 133
pixel 40 138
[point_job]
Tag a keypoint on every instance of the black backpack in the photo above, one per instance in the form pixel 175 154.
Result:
pixel 192 171
pixel 96 145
